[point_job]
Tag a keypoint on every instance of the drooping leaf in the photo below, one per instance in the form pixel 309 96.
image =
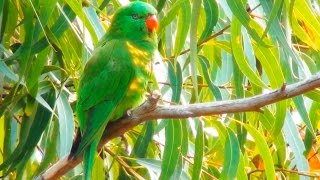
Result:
pixel 212 16
pixel 66 125
pixel 193 45
pixel 253 28
pixel 205 67
pixel 292 137
pixel 144 139
pixel 264 151
pixel 199 152
pixel 244 66
pixel 231 157
pixel 184 18
pixel 175 133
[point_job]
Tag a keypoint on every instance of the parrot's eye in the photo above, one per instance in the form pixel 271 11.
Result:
pixel 135 16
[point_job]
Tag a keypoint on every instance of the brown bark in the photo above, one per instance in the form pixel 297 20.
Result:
pixel 149 110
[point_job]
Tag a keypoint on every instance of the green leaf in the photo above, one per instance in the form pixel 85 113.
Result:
pixel 77 8
pixel 10 134
pixel 36 68
pixel 241 173
pixel 231 156
pixel 160 5
pixel 104 4
pixel 252 27
pixel 98 169
pixel 281 149
pixel 66 125
pixel 239 56
pixel 205 67
pixel 94 21
pixel 238 79
pixel 269 59
pixel 193 45
pixel 25 58
pixel 2 131
pixel 267 119
pixel 264 151
pixel 144 139
pixel 314 118
pixel 173 148
pixel 50 147
pixel 198 154
pixel 175 76
pixel 16 153
pixel 299 103
pixel 293 138
pixel 305 23
pixel 44 103
pixel 150 164
pixel 30 134
pixel 212 15
pixel 279 116
pixel 184 17
pixel 176 141
pixel 170 15
pixel 58 28
pixel 46 10
pixel 4 69
pixel 277 5
pixel 9 22
pixel 279 32
pixel 4 16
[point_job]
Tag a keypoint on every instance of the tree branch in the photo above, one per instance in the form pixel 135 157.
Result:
pixel 149 110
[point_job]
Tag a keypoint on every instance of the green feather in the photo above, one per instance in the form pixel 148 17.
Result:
pixel 115 78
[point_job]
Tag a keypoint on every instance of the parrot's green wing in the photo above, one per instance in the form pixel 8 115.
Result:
pixel 106 79
pixel 106 76
pixel 105 82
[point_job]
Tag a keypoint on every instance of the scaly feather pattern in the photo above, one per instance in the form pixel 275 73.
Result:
pixel 115 78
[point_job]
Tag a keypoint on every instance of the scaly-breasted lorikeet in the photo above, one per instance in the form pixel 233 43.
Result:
pixel 115 78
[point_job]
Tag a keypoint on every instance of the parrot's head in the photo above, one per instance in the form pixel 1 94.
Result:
pixel 136 20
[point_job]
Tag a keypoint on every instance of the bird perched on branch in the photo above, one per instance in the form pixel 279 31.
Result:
pixel 115 78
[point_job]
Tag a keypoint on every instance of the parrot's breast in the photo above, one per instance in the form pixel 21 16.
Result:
pixel 137 87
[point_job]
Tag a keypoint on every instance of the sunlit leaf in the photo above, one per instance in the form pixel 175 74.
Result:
pixel 236 43
pixel 264 151
pixel 199 151
pixel 232 156
pixel 294 140
pixel 66 125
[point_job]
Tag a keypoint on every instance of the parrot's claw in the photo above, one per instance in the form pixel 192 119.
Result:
pixel 153 93
pixel 147 94
pixel 129 112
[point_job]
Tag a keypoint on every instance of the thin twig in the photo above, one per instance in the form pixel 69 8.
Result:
pixel 202 170
pixel 209 38
pixel 286 170
pixel 124 164
pixel 204 85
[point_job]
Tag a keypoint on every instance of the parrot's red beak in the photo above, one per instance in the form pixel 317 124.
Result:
pixel 152 23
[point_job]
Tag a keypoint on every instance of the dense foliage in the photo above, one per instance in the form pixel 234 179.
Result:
pixel 208 51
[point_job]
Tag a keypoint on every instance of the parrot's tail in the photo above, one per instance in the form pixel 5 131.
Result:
pixel 88 159
pixel 75 144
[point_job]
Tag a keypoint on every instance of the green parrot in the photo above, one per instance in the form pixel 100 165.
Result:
pixel 115 78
